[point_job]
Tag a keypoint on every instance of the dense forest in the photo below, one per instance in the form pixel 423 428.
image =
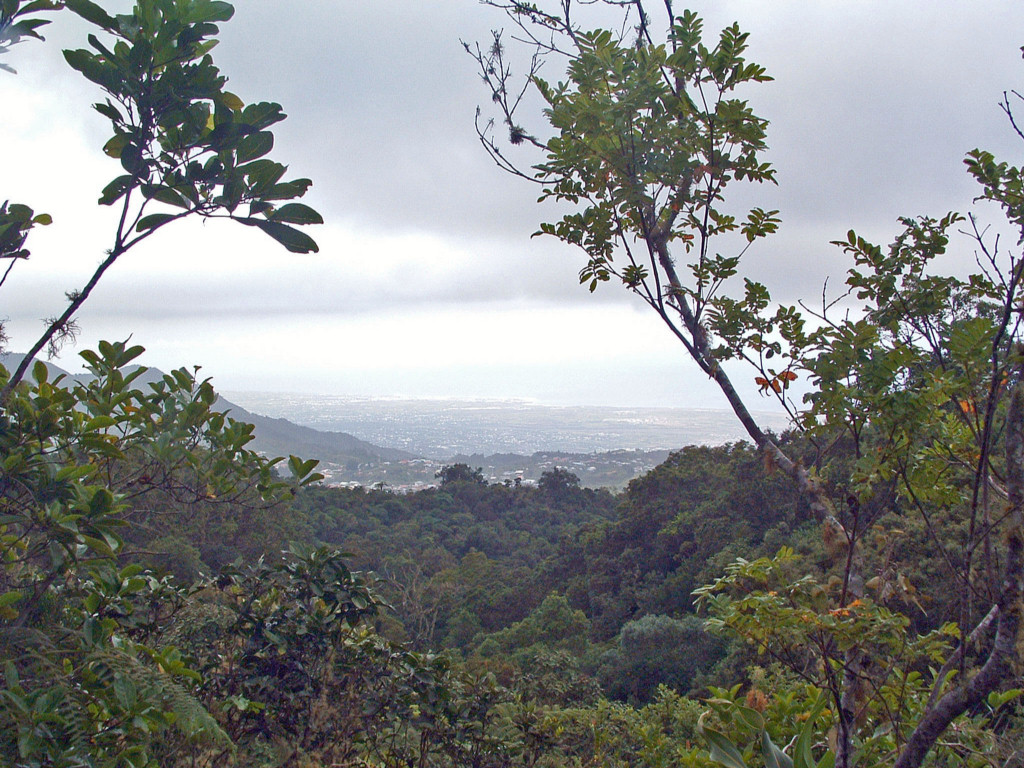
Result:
pixel 845 594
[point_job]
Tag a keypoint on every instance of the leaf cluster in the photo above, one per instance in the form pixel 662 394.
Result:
pixel 17 21
pixel 183 140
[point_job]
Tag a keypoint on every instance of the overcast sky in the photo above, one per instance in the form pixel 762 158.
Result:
pixel 428 283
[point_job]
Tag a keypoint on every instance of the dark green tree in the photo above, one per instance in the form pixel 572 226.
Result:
pixel 460 473
pixel 658 650
pixel 559 483
pixel 86 678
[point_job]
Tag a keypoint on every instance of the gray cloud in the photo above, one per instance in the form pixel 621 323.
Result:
pixel 872 110
pixel 873 106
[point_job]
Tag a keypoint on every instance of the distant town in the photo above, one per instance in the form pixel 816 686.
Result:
pixel 609 469
pixel 509 441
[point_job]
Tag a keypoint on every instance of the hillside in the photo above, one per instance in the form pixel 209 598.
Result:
pixel 280 437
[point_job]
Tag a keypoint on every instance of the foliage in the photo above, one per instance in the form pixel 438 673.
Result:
pixel 186 146
pixel 657 650
pixel 17 21
pixel 273 663
pixel 461 559
pixel 84 678
pixel 673 528
pixel 915 377
pixel 90 464
pixel 182 140
pixel 554 625
pixel 659 735
pixel 558 483
pixel 789 620
pixel 677 527
pixel 460 473
pixel 915 419
pixel 280 646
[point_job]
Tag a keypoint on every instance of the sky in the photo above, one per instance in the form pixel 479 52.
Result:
pixel 428 283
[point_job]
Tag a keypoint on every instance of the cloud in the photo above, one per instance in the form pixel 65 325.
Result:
pixel 595 355
pixel 873 106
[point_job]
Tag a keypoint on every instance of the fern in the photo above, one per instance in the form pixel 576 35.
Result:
pixel 190 717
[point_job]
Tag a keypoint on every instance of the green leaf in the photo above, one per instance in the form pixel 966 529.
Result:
pixel 10 598
pixel 254 145
pixel 316 477
pixel 130 353
pixel 98 545
pixel 288 190
pixel 231 101
pixel 803 757
pixel 262 114
pixel 262 174
pixel 94 69
pixel 40 5
pixel 723 751
pixel 102 503
pixel 292 239
pixel 116 189
pixel 153 221
pixel 99 422
pixel 773 756
pixel 92 13
pixel 130 570
pixel 209 11
pixel 109 111
pixel 73 472
pixel 300 468
pixel 126 692
pixel 116 145
pixel 296 213
pixel 132 160
pixel 751 718
pixel 996 699
pixel 40 371
pixel 165 195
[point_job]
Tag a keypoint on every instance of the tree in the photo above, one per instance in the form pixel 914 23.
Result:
pixel 460 473
pixel 187 146
pixel 657 650
pixel 87 678
pixel 559 483
pixel 554 624
pixel 646 133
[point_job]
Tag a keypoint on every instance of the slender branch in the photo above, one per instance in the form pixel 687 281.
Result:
pixel 957 656
pixel 1006 612
pixel 77 299
pixel 7 272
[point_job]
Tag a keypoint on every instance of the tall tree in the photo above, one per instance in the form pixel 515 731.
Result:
pixel 641 139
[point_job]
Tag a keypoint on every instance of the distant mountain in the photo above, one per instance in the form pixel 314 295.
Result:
pixel 280 437
pixel 274 437
pixel 11 360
